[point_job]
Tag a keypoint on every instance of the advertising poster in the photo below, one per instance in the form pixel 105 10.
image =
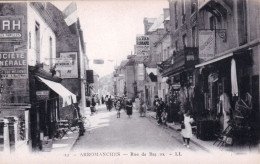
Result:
pixel 73 72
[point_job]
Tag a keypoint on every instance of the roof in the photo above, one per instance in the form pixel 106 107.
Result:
pixel 150 20
pixel 158 24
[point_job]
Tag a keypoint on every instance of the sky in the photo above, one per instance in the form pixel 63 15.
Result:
pixel 110 27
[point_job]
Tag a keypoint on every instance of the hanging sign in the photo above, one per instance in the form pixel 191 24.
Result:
pixel 206 44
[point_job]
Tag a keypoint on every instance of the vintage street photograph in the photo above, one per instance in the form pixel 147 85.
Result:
pixel 130 81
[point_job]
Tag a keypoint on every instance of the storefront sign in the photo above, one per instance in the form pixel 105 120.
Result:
pixel 63 64
pixel 42 95
pixel 11 28
pixel 140 71
pixel 73 72
pixel 13 65
pixel 142 49
pixel 206 44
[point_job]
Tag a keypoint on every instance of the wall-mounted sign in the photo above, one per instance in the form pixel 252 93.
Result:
pixel 73 72
pixel 42 95
pixel 142 40
pixel 206 44
pixel 13 65
pixel 11 28
pixel 63 64
pixel 142 49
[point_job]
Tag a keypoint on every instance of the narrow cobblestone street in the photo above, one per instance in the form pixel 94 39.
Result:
pixel 107 132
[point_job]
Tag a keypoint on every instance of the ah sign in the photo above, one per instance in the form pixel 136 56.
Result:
pixel 11 28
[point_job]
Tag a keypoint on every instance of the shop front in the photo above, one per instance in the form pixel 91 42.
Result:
pixel 181 82
pixel 227 86
pixel 51 102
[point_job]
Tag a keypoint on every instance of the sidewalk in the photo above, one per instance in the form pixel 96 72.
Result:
pixel 208 145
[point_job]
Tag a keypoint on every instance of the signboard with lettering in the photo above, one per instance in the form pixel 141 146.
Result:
pixel 206 44
pixel 63 64
pixel 11 28
pixel 13 65
pixel 73 72
pixel 142 49
pixel 142 40
pixel 42 95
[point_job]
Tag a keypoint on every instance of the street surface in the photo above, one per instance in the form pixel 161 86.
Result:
pixel 107 132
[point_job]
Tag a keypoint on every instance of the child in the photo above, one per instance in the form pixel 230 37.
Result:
pixel 118 108
pixel 187 131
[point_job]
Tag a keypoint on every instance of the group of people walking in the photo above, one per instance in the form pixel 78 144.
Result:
pixel 162 113
pixel 119 103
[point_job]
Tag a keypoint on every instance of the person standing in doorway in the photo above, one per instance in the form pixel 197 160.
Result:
pixel 129 107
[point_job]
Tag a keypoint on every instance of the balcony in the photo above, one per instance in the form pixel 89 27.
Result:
pixel 183 59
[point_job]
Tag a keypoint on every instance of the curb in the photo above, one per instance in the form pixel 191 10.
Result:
pixel 73 143
pixel 191 140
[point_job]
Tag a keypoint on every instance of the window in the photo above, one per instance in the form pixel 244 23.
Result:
pixel 242 21
pixel 193 6
pixel 176 15
pixel 212 22
pixel 183 11
pixel 184 40
pixel 37 41
pixel 168 52
pixel 194 36
pixel 176 45
pixel 51 52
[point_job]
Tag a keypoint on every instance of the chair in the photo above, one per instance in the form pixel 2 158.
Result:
pixel 224 137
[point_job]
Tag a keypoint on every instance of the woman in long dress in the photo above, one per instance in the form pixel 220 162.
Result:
pixel 187 131
pixel 129 107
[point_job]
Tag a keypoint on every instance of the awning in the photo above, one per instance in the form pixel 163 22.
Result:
pixel 214 60
pixel 66 95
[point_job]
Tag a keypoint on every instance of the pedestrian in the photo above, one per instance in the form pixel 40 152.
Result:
pixel 102 99
pixel 118 108
pixel 186 129
pixel 110 103
pixel 142 108
pixel 93 105
pixel 137 103
pixel 106 101
pixel 129 107
pixel 160 108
